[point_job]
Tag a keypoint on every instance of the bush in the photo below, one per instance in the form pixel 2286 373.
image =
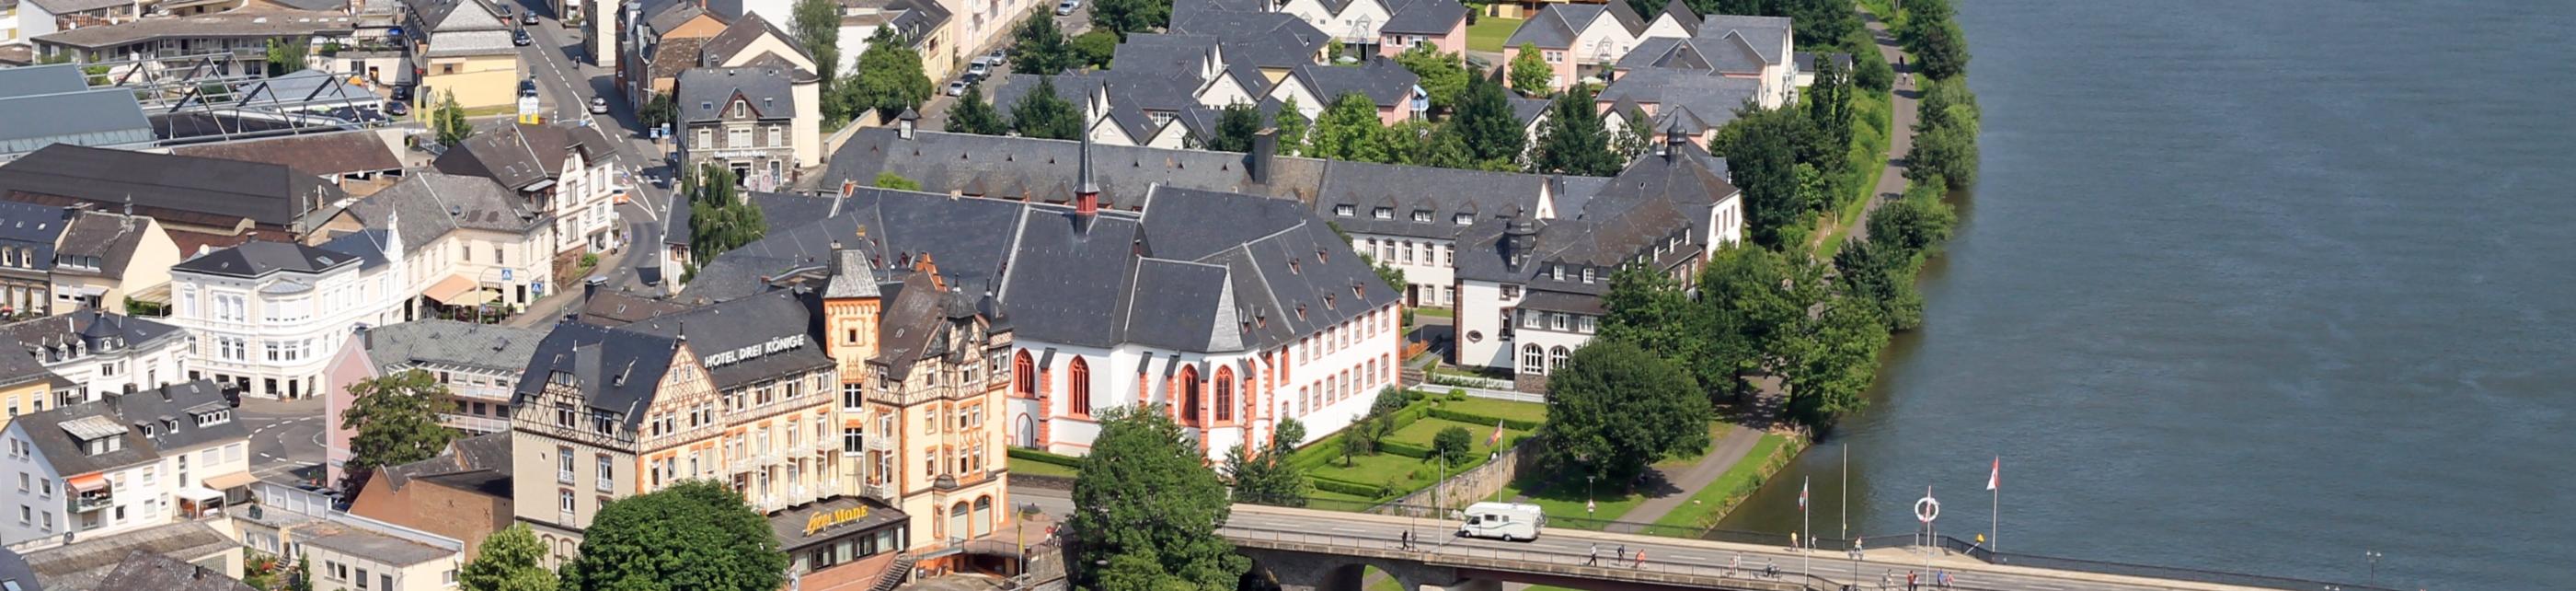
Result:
pixel 1404 449
pixel 1457 395
pixel 1336 485
pixel 1046 458
pixel 1466 417
pixel 1452 441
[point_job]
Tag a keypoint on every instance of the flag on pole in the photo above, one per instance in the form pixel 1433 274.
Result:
pixel 1802 495
pixel 1995 477
pixel 1496 439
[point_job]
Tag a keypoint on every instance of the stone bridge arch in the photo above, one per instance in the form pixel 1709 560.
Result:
pixel 1306 571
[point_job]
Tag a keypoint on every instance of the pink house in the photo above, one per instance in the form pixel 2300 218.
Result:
pixel 478 364
pixel 1440 24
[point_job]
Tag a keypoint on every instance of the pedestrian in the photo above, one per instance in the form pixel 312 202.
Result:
pixel 1592 557
pixel 1909 581
pixel 1641 558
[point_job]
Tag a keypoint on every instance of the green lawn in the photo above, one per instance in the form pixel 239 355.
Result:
pixel 1025 466
pixel 1740 480
pixel 1406 474
pixel 1500 409
pixel 1432 312
pixel 1563 501
pixel 1489 33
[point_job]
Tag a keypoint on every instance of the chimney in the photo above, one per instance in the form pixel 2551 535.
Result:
pixel 1086 194
pixel 903 123
pixel 1265 146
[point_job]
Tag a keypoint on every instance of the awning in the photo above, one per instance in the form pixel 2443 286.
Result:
pixel 231 481
pixel 199 494
pixel 93 290
pixel 88 482
pixel 457 290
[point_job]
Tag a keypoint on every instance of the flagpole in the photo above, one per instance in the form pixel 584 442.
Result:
pixel 1805 525
pixel 1994 505
pixel 1846 518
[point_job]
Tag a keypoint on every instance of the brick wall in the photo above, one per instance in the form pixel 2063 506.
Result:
pixel 429 506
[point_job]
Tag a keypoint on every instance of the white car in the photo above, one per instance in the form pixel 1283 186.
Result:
pixel 956 88
pixel 978 69
pixel 598 105
pixel 1067 7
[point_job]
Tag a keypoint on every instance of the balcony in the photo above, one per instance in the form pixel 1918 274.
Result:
pixel 88 503
pixel 878 490
pixel 474 423
pixel 877 443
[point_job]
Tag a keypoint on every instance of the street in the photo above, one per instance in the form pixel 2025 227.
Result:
pixel 565 85
pixel 934 112
pixel 285 437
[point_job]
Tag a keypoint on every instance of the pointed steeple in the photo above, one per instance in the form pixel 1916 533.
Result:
pixel 1086 192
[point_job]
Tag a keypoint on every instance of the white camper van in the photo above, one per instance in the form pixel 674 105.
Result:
pixel 1503 521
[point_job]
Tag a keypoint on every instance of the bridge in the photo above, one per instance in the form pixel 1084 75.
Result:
pixel 1316 550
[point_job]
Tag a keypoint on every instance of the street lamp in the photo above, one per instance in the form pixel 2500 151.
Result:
pixel 1587 496
pixel 2373 555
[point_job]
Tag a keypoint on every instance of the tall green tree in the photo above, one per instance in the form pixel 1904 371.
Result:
pixel 303 579
pixel 1761 149
pixel 1880 273
pixel 1573 141
pixel 659 111
pixel 1163 541
pixel 1634 139
pixel 1821 23
pixel 396 420
pixel 1530 71
pixel 1652 311
pixel 509 560
pixel 972 114
pixel 1756 299
pixel 1483 118
pixel 1039 47
pixel 1940 52
pixel 1267 477
pixel 1948 153
pixel 1614 409
pixel 817 26
pixel 719 218
pixel 1131 16
pixel 449 122
pixel 697 534
pixel 1042 114
pixel 286 56
pixel 1917 223
pixel 888 76
pixel 1094 48
pixel 1293 129
pixel 1349 130
pixel 1235 126
pixel 1832 360
pixel 1443 75
pixel 1829 105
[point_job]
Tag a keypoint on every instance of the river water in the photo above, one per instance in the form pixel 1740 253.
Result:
pixel 2255 286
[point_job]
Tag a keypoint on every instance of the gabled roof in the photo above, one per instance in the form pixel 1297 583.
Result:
pixel 258 258
pixel 35 229
pixel 110 238
pixel 320 154
pixel 760 323
pixel 185 189
pixel 666 15
pixel 1443 193
pixel 171 410
pixel 740 34
pixel 1430 17
pixel 444 16
pixel 1386 83
pixel 1701 101
pixel 704 93
pixel 89 328
pixel 1654 199
pixel 616 370
pixel 1555 26
pixel 1681 14
pixel 524 156
pixel 1764 34
pixel 1526 110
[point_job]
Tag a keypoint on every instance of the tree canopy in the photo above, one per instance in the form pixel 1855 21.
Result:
pixel 1293 128
pixel 1039 47
pixel 509 560
pixel 1761 148
pixel 396 420
pixel 1130 16
pixel 1483 119
pixel 1443 75
pixel 1349 130
pixel 719 218
pixel 1573 141
pixel 449 121
pixel 1235 126
pixel 1042 114
pixel 888 76
pixel 972 114
pixel 1267 477
pixel 1163 541
pixel 1614 409
pixel 286 56
pixel 695 535
pixel 1094 48
pixel 1530 72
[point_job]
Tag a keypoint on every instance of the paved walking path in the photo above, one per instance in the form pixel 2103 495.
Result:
pixel 1901 140
pixel 1722 454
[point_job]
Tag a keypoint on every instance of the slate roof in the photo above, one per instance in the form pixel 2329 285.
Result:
pixel 1765 34
pixel 920 322
pixel 1443 193
pixel 704 93
pixel 1555 26
pixel 740 34
pixel 1527 109
pixel 1261 39
pixel 143 569
pixel 63 7
pixel 441 16
pixel 319 154
pixel 105 117
pixel 193 190
pixel 617 370
pixel 1701 101
pixel 260 257
pixel 1654 199
pixel 747 322
pixel 253 23
pixel 1386 83
pixel 609 308
pixel 670 14
pixel 370 245
pixel 14 571
pixel 86 561
pixel 406 345
pixel 90 328
pixel 110 238
pixel 35 228
pixel 176 403
pixel 1043 170
pixel 355 541
pixel 480 463
pixel 1132 93
pixel 431 204
pixel 1432 17
pixel 1682 14
pixel 468 43
pixel 15 370
pixel 522 155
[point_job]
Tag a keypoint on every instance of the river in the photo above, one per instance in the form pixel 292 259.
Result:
pixel 2255 286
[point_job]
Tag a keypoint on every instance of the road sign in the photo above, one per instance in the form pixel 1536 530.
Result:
pixel 505 275
pixel 1927 509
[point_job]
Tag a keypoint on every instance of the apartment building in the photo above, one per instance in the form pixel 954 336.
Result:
pixel 95 353
pixel 479 364
pixel 125 462
pixel 266 316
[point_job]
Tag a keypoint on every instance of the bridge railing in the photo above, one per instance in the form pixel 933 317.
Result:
pixel 1601 566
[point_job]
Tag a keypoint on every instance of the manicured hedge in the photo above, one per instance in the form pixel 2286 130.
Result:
pixel 1465 417
pixel 1330 484
pixel 1050 458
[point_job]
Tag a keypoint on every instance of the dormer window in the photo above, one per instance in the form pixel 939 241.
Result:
pixel 1383 213
pixel 1422 216
pixel 150 430
pixel 1556 272
pixel 1345 210
pixel 1292 265
pixel 1328 301
pixel 740 109
pixel 1465 219
pixel 213 418
pixel 1587 275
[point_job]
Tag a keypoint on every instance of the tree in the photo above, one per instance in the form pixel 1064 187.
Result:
pixel 1821 23
pixel 1235 126
pixel 303 579
pixel 1947 103
pixel 1652 311
pixel 890 180
pixel 1829 106
pixel 661 110
pixel 1916 224
pixel 697 534
pixel 1832 360
pixel 1163 541
pixel 1094 48
pixel 1755 299
pixel 1761 150
pixel 719 218
pixel 1483 118
pixel 1573 141
pixel 1634 139
pixel 1882 274
pixel 396 421
pixel 1130 16
pixel 1393 276
pixel 973 115
pixel 286 56
pixel 1871 73
pixel 1041 48
pixel 449 122
pixel 1452 442
pixel 1268 478
pixel 1613 409
pixel 1292 128
pixel 1940 52
pixel 1948 153
pixel 509 560
pixel 1530 72
pixel 817 25
pixel 1442 75
pixel 888 75
pixel 1042 114
pixel 1349 129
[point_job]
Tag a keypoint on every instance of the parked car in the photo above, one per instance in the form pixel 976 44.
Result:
pixel 956 88
pixel 997 57
pixel 402 93
pixel 528 18
pixel 598 105
pixel 397 108
pixel 978 69
pixel 520 38
pixel 1067 7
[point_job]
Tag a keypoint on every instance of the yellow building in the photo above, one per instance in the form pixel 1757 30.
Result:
pixel 25 386
pixel 920 393
pixel 465 48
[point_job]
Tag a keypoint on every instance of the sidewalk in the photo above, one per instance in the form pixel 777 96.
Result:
pixel 1722 454
pixel 544 310
pixel 1891 184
